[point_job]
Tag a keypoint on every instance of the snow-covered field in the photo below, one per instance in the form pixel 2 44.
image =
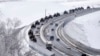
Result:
pixel 86 29
pixel 32 10
pixel 29 11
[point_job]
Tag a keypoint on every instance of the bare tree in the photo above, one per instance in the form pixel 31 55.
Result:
pixel 12 24
pixel 12 39
pixel 16 22
pixel 9 43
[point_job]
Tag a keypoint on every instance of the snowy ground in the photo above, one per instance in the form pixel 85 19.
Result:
pixel 86 29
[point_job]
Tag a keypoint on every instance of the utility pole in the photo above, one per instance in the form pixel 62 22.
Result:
pixel 45 12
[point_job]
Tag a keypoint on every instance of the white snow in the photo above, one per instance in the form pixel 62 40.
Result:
pixel 83 3
pixel 75 31
pixel 86 29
